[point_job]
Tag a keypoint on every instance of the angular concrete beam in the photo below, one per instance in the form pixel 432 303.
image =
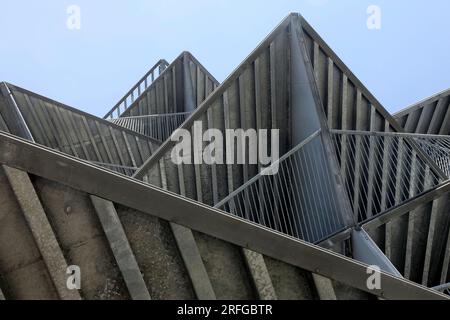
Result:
pixel 42 231
pixel 120 248
pixel 260 275
pixel 324 287
pixel 193 262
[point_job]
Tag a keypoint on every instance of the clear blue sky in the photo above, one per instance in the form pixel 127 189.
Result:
pixel 90 69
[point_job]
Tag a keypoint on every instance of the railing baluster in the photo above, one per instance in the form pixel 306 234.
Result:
pixel 157 126
pixel 300 200
pixel 130 95
pixel 408 174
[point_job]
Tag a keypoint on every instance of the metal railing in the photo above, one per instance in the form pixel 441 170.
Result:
pixel 300 200
pixel 157 126
pixel 381 170
pixel 125 170
pixel 437 147
pixel 135 92
pixel 444 288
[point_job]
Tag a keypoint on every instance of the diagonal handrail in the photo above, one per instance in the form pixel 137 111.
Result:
pixel 382 170
pixel 437 147
pixel 157 126
pixel 294 196
pixel 127 100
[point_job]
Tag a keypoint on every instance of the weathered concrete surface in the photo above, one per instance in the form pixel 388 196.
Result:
pixel 121 248
pixel 290 283
pixel 24 275
pixel 260 275
pixel 344 292
pixel 324 287
pixel 82 240
pixel 157 254
pixel 184 238
pixel 226 268
pixel 194 263
pixel 41 230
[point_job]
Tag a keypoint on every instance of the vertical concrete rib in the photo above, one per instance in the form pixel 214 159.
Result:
pixel 193 262
pixel 260 275
pixel 121 248
pixel 324 287
pixel 41 230
pixel 446 262
pixel 2 296
pixel 430 239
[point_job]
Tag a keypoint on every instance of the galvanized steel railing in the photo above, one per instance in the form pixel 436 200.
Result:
pixel 137 90
pixel 444 288
pixel 381 170
pixel 157 126
pixel 299 200
pixel 437 147
pixel 125 170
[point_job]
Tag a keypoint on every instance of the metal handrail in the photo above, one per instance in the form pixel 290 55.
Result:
pixel 438 149
pixel 381 170
pixel 267 169
pixel 136 91
pixel 298 200
pixel 126 170
pixel 157 126
pixel 444 288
